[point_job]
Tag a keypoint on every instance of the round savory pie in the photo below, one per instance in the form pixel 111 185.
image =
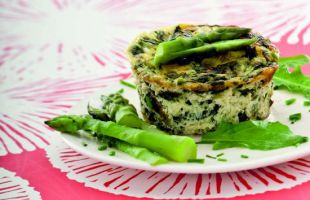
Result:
pixel 192 94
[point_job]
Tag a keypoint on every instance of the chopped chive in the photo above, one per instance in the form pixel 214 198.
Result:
pixel 295 117
pixel 306 103
pixel 112 153
pixel 220 154
pixel 128 84
pixel 121 91
pixel 244 156
pixel 208 156
pixel 290 101
pixel 204 142
pixel 222 159
pixel 84 144
pixel 102 147
pixel 198 160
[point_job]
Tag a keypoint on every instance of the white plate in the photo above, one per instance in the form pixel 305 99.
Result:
pixel 279 112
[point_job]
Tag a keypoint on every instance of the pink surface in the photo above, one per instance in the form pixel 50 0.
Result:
pixel 45 70
pixel 54 184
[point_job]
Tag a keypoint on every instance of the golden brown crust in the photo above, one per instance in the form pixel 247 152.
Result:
pixel 265 76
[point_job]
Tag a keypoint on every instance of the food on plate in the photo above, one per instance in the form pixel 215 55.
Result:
pixel 140 153
pixel 290 101
pixel 118 109
pixel 194 79
pixel 294 81
pixel 191 78
pixel 295 117
pixel 131 135
pixel 177 148
pixel 251 134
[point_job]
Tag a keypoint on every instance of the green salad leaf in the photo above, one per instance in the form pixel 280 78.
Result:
pixel 294 61
pixel 295 81
pixel 259 135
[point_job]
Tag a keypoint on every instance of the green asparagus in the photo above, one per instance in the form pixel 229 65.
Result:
pixel 98 113
pixel 119 110
pixel 177 148
pixel 140 153
pixel 122 113
pixel 218 34
pixel 167 48
pixel 134 151
pixel 162 56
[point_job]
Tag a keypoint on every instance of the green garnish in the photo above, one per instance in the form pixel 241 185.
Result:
pixel 102 147
pixel 306 103
pixel 112 153
pixel 220 154
pixel 260 135
pixel 244 156
pixel 209 156
pixel 292 61
pixel 295 117
pixel 177 148
pixel 295 81
pixel 197 160
pixel 290 101
pixel 84 144
pixel 222 159
pixel 128 84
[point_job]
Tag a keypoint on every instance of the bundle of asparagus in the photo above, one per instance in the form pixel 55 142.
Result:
pixel 118 124
pixel 218 40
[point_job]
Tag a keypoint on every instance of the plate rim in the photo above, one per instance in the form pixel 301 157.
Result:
pixel 191 168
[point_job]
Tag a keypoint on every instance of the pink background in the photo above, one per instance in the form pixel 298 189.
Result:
pixel 33 165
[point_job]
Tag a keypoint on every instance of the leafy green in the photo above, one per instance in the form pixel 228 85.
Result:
pixel 260 135
pixel 295 81
pixel 293 61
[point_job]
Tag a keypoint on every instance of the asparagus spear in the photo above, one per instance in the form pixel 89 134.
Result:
pixel 98 113
pixel 118 109
pixel 140 153
pixel 134 151
pixel 162 57
pixel 217 34
pixel 122 113
pixel 177 148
